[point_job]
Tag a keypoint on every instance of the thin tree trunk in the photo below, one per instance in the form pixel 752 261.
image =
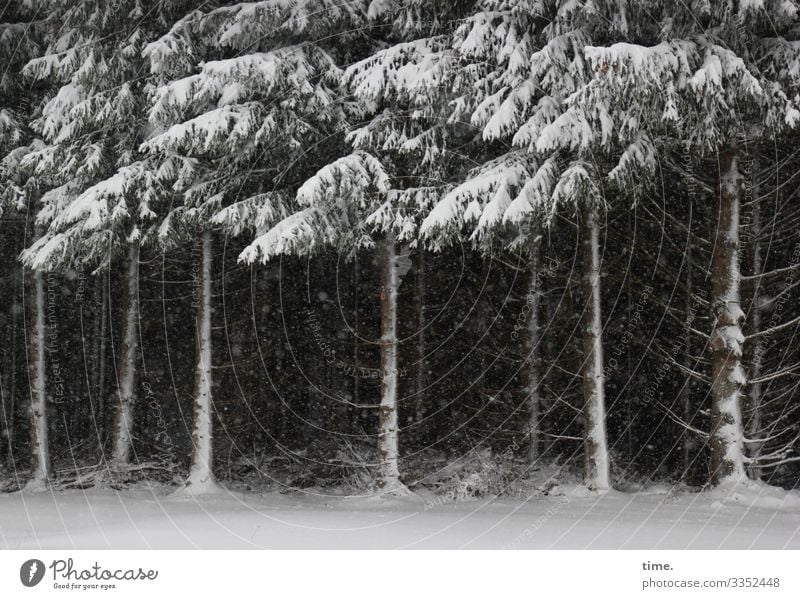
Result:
pixel 388 447
pixel 531 371
pixel 201 476
pixel 726 440
pixel 99 357
pixel 596 461
pixel 123 420
pixel 37 375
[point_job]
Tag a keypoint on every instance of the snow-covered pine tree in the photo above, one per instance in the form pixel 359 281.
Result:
pixel 398 93
pixel 20 39
pixel 524 60
pixel 494 45
pixel 335 206
pixel 247 100
pixel 101 191
pixel 401 94
pixel 718 79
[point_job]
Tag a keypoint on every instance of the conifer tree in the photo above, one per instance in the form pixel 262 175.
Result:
pixel 100 190
pixel 379 194
pixel 524 72
pixel 702 79
pixel 238 112
pixel 19 41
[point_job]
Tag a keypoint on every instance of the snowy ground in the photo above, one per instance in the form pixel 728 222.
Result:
pixel 145 518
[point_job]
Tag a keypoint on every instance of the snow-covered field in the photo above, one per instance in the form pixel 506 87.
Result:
pixel 149 518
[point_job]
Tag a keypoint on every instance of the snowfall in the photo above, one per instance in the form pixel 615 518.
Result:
pixel 154 517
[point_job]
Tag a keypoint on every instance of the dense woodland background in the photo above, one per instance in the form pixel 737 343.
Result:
pixel 323 155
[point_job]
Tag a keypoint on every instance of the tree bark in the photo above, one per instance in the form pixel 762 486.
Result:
pixel 726 439
pixel 37 376
pixel 753 391
pixel 99 357
pixel 596 462
pixel 126 394
pixel 201 476
pixel 388 446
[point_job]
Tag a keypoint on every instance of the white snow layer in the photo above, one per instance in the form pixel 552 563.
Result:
pixel 741 517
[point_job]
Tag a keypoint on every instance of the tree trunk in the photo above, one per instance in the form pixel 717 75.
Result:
pixel 123 421
pixel 727 375
pixel 201 476
pixel 596 462
pixel 531 375
pixel 753 393
pixel 389 473
pixel 37 375
pixel 99 357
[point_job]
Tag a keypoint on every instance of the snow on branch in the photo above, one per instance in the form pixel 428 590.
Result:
pixel 217 130
pixel 336 201
pixel 465 203
pixel 402 72
pixel 535 196
pixel 351 179
pixel 247 24
pixel 577 186
pixel 255 213
pixel 638 161
pixel 297 234
pixel 91 207
pixel 241 100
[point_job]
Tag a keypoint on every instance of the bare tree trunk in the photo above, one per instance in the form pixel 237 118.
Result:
pixel 37 376
pixel 201 475
pixel 531 375
pixel 99 357
pixel 726 440
pixel 753 392
pixel 596 462
pixel 123 420
pixel 388 446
